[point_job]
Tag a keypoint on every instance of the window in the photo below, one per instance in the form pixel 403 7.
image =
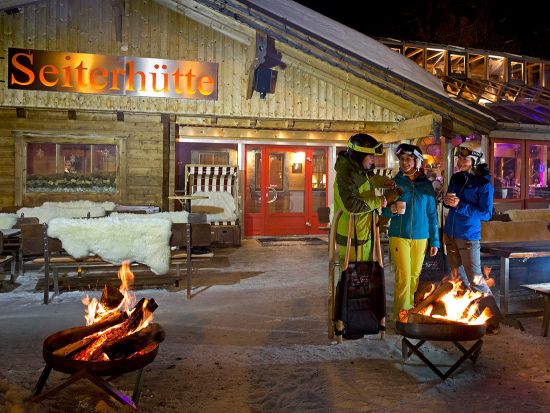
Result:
pixel 458 64
pixel 68 167
pixel 516 71
pixel 416 54
pixel 534 74
pixel 496 69
pixel 477 66
pixel 507 170
pixel 435 62
pixel 210 158
pixel 538 170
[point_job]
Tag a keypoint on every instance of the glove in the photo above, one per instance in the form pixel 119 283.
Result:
pixel 393 195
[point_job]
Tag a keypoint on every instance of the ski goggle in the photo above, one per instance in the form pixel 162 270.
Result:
pixel 410 150
pixel 375 150
pixel 465 152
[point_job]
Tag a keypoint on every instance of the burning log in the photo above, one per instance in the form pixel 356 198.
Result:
pixel 90 333
pixel 111 297
pixel 139 314
pixel 439 292
pixel 426 319
pixel 137 341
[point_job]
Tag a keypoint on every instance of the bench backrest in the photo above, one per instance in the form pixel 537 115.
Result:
pixel 32 240
pixel 200 235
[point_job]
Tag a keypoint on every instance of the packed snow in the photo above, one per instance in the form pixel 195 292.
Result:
pixel 254 339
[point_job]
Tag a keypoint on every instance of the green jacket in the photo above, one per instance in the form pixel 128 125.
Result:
pixel 354 194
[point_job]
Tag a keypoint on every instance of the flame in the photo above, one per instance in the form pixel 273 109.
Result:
pixel 460 306
pixel 95 311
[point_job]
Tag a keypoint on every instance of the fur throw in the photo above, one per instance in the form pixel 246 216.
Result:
pixel 7 220
pixel 176 217
pixel 221 199
pixel 107 205
pixel 46 213
pixel 115 239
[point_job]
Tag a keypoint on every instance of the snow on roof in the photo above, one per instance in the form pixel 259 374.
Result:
pixel 349 39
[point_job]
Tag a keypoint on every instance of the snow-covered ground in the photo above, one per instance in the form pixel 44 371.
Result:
pixel 258 343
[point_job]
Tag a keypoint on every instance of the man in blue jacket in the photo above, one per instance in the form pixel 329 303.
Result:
pixel 470 201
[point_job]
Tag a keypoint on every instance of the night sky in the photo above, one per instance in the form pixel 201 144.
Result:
pixel 522 27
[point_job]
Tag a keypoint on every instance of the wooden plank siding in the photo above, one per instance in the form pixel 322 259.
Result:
pixel 140 156
pixel 308 91
pixel 151 30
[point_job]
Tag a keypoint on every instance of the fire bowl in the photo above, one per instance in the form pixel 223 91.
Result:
pixel 100 368
pixel 441 332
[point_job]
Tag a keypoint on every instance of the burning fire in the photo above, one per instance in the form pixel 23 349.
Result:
pixel 460 306
pixel 95 310
pixel 115 318
pixel 451 301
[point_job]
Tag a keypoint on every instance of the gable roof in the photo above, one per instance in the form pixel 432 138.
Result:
pixel 349 50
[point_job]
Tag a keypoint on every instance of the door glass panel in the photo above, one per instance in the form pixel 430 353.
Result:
pixel 538 168
pixel 507 170
pixel 319 180
pixel 286 182
pixel 253 186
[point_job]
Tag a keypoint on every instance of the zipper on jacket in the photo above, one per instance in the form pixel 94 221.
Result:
pixel 412 209
pixel 454 215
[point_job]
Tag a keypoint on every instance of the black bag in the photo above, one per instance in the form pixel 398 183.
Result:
pixel 436 267
pixel 361 299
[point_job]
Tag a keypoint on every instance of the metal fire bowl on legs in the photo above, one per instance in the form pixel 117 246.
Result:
pixel 441 332
pixel 100 368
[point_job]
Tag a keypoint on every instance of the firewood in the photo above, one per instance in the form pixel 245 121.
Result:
pixel 426 319
pixel 89 333
pixel 137 341
pixel 440 291
pixel 94 349
pixel 111 297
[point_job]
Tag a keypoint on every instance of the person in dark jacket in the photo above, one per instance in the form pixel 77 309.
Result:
pixel 470 201
pixel 354 194
pixel 410 232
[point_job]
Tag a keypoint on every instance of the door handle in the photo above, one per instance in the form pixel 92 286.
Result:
pixel 272 188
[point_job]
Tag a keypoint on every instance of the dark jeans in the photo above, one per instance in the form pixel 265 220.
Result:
pixel 465 255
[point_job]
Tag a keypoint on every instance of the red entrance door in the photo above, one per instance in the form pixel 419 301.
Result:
pixel 284 186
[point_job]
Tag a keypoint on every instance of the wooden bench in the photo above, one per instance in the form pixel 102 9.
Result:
pixel 38 249
pixel 543 289
pixel 6 259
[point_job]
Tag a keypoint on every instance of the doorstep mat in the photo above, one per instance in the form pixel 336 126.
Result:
pixel 290 241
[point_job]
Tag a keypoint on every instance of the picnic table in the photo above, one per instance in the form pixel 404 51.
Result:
pixel 543 289
pixel 513 250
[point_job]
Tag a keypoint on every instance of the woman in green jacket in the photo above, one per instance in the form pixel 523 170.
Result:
pixel 412 230
pixel 354 194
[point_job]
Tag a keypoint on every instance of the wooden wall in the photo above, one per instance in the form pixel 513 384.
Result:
pixel 142 165
pixel 305 89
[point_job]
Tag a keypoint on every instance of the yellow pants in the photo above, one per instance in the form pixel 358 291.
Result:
pixel 407 256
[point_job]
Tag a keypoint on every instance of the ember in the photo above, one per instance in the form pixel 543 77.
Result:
pixel 449 302
pixel 119 337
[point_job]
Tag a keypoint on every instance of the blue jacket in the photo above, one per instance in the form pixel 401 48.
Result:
pixel 476 204
pixel 420 218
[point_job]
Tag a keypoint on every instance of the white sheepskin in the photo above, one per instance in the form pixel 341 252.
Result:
pixel 7 220
pixel 47 213
pixel 176 217
pixel 107 205
pixel 137 239
pixel 221 199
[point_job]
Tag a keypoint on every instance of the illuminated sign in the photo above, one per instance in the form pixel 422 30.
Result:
pixel 111 75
